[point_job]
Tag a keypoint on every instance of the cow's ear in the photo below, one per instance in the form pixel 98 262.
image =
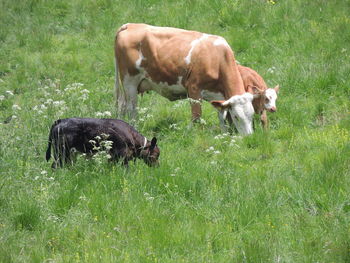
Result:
pixel 277 88
pixel 153 143
pixel 219 104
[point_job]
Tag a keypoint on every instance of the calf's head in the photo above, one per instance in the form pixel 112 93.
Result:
pixel 241 110
pixel 150 153
pixel 268 97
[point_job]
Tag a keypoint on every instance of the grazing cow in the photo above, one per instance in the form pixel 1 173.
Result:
pixel 180 64
pixel 82 134
pixel 264 97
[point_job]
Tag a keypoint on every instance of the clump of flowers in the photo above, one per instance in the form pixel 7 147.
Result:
pixel 144 114
pixel 103 114
pixel 174 127
pixel 102 146
pixel 148 197
pixel 176 170
pixel 271 70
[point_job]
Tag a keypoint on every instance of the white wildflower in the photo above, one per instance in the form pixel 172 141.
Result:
pixel 107 113
pixel 85 91
pixel 213 162
pixel 202 121
pixel 211 148
pixel 142 110
pixel 16 107
pixel 216 152
pixel 82 197
pixel 194 101
pixel 2 97
pixel 271 70
pixel 48 101
pixel 9 92
pixel 148 197
pixel 43 172
pixel 174 127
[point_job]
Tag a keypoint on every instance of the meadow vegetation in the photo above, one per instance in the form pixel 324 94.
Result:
pixel 276 196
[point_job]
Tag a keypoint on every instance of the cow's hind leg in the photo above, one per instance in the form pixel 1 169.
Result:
pixel 130 84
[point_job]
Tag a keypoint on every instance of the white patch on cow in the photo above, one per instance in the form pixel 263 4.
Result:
pixel 171 92
pixel 194 43
pixel 242 112
pixel 209 95
pixel 271 96
pixel 220 41
pixel 139 60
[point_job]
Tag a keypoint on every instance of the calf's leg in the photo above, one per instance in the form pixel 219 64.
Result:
pixel 264 121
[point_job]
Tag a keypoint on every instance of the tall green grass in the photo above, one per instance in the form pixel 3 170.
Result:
pixel 276 196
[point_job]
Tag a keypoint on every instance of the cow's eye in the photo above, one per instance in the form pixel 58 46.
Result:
pixel 267 100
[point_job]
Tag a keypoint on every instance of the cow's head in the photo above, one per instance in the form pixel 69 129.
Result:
pixel 268 97
pixel 150 152
pixel 241 110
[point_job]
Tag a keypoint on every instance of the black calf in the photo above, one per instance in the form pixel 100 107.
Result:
pixel 77 133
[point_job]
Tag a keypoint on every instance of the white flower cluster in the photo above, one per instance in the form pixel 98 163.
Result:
pixel 73 87
pixel 271 70
pixel 222 136
pixel 231 140
pixel 44 175
pixel 176 170
pixel 49 103
pixel 144 112
pixel 194 101
pixel 16 107
pixel 102 146
pixel 8 93
pixel 103 114
pixel 148 197
pixel 179 104
pixel 174 127
pixel 212 150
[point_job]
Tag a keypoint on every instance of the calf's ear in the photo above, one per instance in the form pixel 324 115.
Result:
pixel 153 143
pixel 277 88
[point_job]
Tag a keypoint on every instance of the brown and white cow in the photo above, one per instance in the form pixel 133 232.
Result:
pixel 180 64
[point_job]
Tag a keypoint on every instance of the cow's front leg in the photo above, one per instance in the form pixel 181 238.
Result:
pixel 195 101
pixel 264 121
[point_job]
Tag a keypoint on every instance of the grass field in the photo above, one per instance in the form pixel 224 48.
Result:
pixel 276 196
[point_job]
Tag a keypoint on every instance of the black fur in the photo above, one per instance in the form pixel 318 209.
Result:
pixel 128 144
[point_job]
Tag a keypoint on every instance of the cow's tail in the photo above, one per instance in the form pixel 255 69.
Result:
pixel 51 138
pixel 119 89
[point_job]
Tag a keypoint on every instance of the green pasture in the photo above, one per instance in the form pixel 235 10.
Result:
pixel 276 196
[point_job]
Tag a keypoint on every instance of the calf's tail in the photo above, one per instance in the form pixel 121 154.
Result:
pixel 48 151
